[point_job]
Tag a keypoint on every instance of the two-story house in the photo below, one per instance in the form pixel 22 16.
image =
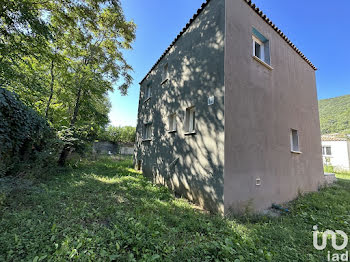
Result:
pixel 228 115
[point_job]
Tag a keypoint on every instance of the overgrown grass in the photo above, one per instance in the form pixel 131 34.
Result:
pixel 104 210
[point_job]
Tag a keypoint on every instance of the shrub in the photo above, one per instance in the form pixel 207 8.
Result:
pixel 328 169
pixel 26 138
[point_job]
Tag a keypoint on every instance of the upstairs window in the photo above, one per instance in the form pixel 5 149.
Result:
pixel 148 92
pixel 258 49
pixel 261 46
pixel 190 124
pixel 165 73
pixel 326 151
pixel 147 131
pixel 294 141
pixel 172 123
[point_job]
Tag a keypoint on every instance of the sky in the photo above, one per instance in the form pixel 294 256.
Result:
pixel 319 28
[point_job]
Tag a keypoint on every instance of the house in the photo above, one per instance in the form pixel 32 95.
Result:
pixel 228 115
pixel 336 151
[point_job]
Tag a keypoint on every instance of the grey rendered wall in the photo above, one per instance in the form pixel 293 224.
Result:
pixel 261 106
pixel 192 165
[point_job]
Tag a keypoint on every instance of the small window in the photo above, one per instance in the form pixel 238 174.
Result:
pixel 165 73
pixel 326 150
pixel 148 92
pixel 172 123
pixel 258 50
pixel 147 131
pixel 190 120
pixel 261 47
pixel 294 140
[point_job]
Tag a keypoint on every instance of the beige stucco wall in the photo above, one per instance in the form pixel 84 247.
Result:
pixel 261 106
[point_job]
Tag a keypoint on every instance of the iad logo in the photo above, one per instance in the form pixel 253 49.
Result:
pixel 335 256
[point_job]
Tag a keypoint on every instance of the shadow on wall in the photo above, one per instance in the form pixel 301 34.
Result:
pixel 192 165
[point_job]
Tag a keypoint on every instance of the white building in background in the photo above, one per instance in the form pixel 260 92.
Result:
pixel 336 151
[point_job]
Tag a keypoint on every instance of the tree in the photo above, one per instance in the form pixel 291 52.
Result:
pixel 62 57
pixel 93 38
pixel 126 134
pixel 23 32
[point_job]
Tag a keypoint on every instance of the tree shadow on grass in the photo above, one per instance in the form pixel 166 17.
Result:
pixel 104 210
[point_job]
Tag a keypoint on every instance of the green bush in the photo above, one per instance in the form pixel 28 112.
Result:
pixel 26 139
pixel 328 169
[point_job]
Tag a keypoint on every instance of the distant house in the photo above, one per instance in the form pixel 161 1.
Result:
pixel 336 151
pixel 228 115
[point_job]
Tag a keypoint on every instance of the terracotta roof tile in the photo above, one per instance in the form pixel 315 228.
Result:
pixel 335 137
pixel 256 9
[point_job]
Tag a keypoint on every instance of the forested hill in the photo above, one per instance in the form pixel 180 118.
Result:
pixel 335 115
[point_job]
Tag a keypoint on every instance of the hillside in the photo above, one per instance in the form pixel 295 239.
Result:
pixel 335 115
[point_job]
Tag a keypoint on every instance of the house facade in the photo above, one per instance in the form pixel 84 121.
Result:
pixel 228 116
pixel 336 151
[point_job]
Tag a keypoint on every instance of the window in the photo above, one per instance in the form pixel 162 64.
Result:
pixel 326 151
pixel 190 124
pixel 172 123
pixel 294 140
pixel 261 47
pixel 148 92
pixel 147 131
pixel 165 73
pixel 258 48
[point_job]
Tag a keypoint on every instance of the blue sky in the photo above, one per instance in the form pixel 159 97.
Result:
pixel 320 29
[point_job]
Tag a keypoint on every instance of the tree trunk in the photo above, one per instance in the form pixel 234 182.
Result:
pixel 76 107
pixel 51 90
pixel 63 156
pixel 66 149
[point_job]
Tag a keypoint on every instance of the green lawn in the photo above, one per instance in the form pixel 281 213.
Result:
pixel 103 210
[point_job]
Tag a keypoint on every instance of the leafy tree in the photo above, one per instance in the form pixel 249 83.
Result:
pixel 126 134
pixel 93 36
pixel 23 32
pixel 62 57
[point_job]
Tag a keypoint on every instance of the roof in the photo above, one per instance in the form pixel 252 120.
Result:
pixel 256 9
pixel 335 137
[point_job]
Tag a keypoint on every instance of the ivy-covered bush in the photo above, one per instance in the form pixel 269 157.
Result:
pixel 26 139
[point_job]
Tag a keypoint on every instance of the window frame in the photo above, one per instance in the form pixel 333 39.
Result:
pixel 165 73
pixel 147 131
pixel 294 133
pixel 325 151
pixel 265 52
pixel 172 123
pixel 190 120
pixel 148 93
pixel 262 48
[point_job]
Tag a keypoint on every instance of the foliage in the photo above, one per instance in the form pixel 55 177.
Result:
pixel 126 134
pixel 335 115
pixel 23 32
pixel 62 57
pixel 106 211
pixel 25 137
pixel 328 169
